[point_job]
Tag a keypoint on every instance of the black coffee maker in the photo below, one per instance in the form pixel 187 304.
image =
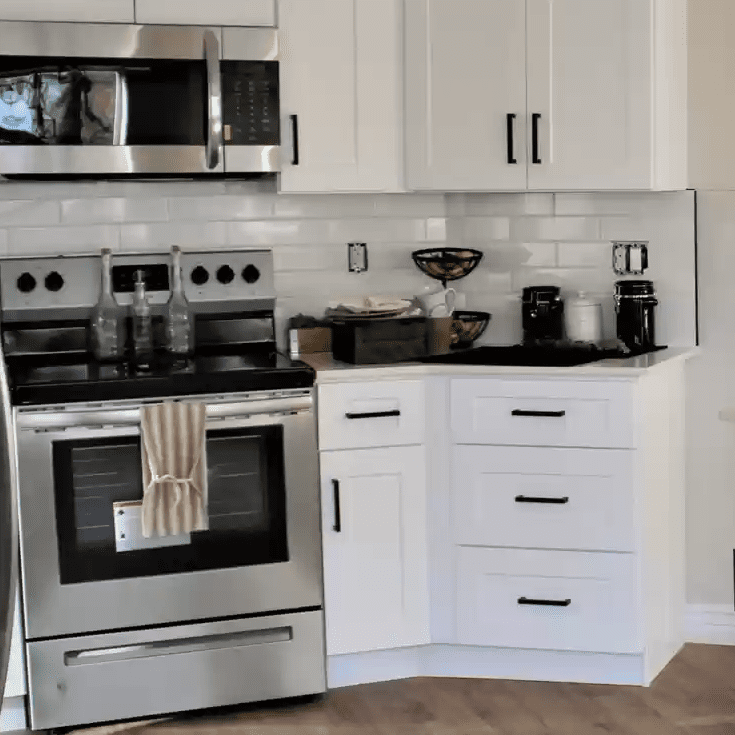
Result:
pixel 543 316
pixel 635 305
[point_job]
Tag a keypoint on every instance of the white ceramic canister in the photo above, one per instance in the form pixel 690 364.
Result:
pixel 583 319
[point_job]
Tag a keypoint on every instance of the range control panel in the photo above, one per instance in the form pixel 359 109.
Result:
pixel 67 283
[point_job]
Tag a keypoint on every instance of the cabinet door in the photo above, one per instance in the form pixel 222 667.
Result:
pixel 590 81
pixel 79 11
pixel 465 73
pixel 213 12
pixel 15 686
pixel 375 551
pixel 341 99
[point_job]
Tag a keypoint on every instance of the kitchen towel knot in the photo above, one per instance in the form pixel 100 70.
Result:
pixel 174 468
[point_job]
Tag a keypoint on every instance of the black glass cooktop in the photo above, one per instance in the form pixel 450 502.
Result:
pixel 522 356
pixel 34 382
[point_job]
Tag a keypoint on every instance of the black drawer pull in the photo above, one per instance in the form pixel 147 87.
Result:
pixel 337 513
pixel 545 414
pixel 534 145
pixel 295 134
pixel 531 499
pixel 373 415
pixel 510 121
pixel 552 603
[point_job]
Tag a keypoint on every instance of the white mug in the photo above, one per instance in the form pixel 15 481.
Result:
pixel 438 303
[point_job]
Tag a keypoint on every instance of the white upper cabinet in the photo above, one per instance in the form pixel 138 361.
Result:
pixel 375 549
pixel 600 89
pixel 209 12
pixel 341 97
pixel 78 11
pixel 465 74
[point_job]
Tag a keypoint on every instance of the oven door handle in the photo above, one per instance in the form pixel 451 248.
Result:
pixel 96 416
pixel 214 99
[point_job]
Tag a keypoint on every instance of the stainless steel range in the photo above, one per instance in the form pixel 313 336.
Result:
pixel 119 624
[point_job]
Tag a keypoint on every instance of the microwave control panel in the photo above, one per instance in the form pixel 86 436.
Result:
pixel 250 102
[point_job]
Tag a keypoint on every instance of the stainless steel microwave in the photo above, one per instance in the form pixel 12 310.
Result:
pixel 81 99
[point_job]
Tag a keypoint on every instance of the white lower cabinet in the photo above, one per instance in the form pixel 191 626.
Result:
pixel 375 552
pixel 560 600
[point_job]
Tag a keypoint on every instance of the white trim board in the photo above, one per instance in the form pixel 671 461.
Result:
pixel 710 624
pixel 495 663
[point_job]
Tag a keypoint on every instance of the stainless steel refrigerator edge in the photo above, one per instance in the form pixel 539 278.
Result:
pixel 8 528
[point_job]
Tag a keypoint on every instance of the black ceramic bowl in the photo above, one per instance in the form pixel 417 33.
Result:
pixel 468 326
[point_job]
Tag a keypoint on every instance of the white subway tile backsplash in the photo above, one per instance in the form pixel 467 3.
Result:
pixel 585 255
pixel 533 203
pixel 482 229
pixel 299 258
pixel 161 235
pixel 377 230
pixel 33 213
pixel 415 205
pixel 60 240
pixel 533 229
pixel 436 229
pixel 118 209
pixel 225 207
pixel 324 206
pixel 274 232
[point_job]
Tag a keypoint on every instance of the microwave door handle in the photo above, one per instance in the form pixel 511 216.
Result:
pixel 214 99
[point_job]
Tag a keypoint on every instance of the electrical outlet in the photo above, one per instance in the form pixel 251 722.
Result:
pixel 630 258
pixel 357 261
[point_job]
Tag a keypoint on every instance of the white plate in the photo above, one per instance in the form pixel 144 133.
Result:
pixel 372 305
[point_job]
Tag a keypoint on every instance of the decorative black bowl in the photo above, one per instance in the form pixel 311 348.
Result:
pixel 447 264
pixel 468 326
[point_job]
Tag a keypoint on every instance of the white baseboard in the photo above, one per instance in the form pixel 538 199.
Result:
pixel 493 663
pixel 710 624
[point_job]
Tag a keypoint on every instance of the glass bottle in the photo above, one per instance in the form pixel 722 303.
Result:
pixel 142 325
pixel 108 318
pixel 179 326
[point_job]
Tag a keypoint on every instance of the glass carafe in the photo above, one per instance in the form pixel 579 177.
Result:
pixel 179 322
pixel 142 325
pixel 108 318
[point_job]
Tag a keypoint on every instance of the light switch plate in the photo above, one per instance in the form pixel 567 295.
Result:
pixel 630 258
pixel 357 257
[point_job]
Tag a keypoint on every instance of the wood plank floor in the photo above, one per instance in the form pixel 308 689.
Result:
pixel 694 695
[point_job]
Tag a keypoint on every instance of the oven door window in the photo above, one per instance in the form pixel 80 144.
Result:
pixel 246 507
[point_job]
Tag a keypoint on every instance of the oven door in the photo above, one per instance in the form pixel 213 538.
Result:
pixel 85 563
pixel 80 99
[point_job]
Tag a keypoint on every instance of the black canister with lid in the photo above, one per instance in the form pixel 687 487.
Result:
pixel 635 304
pixel 543 315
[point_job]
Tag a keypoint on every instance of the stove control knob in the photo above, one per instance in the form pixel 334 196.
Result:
pixel 200 275
pixel 250 274
pixel 54 281
pixel 225 274
pixel 26 282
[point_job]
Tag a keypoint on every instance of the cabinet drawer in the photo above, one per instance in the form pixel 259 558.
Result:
pixel 542 412
pixel 562 600
pixel 380 414
pixel 542 497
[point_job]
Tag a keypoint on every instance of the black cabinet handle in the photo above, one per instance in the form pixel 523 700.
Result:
pixel 373 415
pixel 532 499
pixel 511 146
pixel 552 603
pixel 535 118
pixel 545 414
pixel 295 131
pixel 337 513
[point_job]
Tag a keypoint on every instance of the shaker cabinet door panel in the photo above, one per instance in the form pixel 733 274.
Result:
pixel 590 82
pixel 212 13
pixel 375 549
pixel 77 11
pixel 465 74
pixel 341 101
